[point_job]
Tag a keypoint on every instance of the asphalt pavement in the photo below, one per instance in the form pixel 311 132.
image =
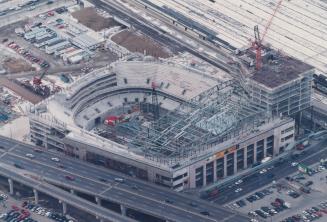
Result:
pixel 314 154
pixel 133 193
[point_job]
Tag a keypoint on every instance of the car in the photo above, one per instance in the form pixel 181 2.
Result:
pixel 193 204
pixel 103 180
pixel 61 166
pixel 29 155
pixel 69 177
pixel 294 164
pixel 239 182
pixel 120 180
pixel 238 190
pixel 37 150
pixel 206 213
pixel 18 166
pixel 309 183
pixel 169 201
pixel 55 159
pixel 263 171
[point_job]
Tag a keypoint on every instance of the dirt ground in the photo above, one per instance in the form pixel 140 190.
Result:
pixel 90 18
pixel 21 91
pixel 136 42
pixel 14 65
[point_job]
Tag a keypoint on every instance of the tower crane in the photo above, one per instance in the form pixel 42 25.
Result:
pixel 257 44
pixel 38 80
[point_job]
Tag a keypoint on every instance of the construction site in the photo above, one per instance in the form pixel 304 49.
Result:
pixel 182 115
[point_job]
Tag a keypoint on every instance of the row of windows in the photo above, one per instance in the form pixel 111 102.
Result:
pixel 287 138
pixel 288 130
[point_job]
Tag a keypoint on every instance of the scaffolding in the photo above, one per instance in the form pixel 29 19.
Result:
pixel 216 115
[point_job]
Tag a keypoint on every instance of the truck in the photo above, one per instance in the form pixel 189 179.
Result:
pixel 266 159
pixel 302 145
pixel 288 205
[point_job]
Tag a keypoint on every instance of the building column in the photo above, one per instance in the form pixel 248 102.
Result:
pixel 255 152
pixel 225 165
pixel 72 191
pixel 98 200
pixel 214 170
pixel 264 147
pixel 245 157
pixel 64 208
pixel 11 186
pixel 204 175
pixel 235 161
pixel 123 210
pixel 36 196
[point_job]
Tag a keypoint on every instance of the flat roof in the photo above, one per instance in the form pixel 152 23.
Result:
pixel 280 71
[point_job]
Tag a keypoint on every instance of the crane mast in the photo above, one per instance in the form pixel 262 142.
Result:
pixel 257 44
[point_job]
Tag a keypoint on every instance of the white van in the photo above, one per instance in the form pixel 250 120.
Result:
pixel 120 180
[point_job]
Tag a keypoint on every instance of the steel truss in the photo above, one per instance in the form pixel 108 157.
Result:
pixel 213 116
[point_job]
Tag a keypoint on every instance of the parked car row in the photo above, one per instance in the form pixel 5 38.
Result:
pixel 17 215
pixel 308 215
pixel 45 212
pixel 29 56
pixel 259 195
pixel 3 196
pixel 278 205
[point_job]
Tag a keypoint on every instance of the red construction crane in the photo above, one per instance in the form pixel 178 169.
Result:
pixel 257 44
pixel 38 80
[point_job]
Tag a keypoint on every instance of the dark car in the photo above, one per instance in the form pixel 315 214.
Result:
pixel 69 177
pixel 206 213
pixel 103 180
pixel 18 166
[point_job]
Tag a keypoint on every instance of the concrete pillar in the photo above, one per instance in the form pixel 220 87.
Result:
pixel 255 152
pixel 98 200
pixel 225 165
pixel 123 210
pixel 204 174
pixel 72 191
pixel 64 208
pixel 235 162
pixel 245 157
pixel 265 147
pixel 36 196
pixel 11 186
pixel 215 170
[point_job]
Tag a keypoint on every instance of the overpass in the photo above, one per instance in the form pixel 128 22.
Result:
pixel 99 183
pixel 64 197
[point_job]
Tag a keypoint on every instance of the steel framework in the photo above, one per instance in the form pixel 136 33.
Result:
pixel 196 125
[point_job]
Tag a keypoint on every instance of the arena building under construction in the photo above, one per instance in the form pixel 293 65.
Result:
pixel 170 124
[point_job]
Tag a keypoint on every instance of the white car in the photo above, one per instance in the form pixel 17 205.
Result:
pixel 239 182
pixel 294 164
pixel 238 190
pixel 29 155
pixel 2 216
pixel 55 159
pixel 263 171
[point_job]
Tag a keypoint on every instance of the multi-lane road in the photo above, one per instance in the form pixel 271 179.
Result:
pixel 313 155
pixel 100 182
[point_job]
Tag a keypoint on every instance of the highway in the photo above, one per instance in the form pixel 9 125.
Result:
pixel 133 193
pixel 62 195
pixel 314 154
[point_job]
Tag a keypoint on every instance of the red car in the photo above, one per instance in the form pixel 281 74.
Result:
pixel 15 208
pixel 69 177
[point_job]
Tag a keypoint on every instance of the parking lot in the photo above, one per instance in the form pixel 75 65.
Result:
pixel 298 197
pixel 10 209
